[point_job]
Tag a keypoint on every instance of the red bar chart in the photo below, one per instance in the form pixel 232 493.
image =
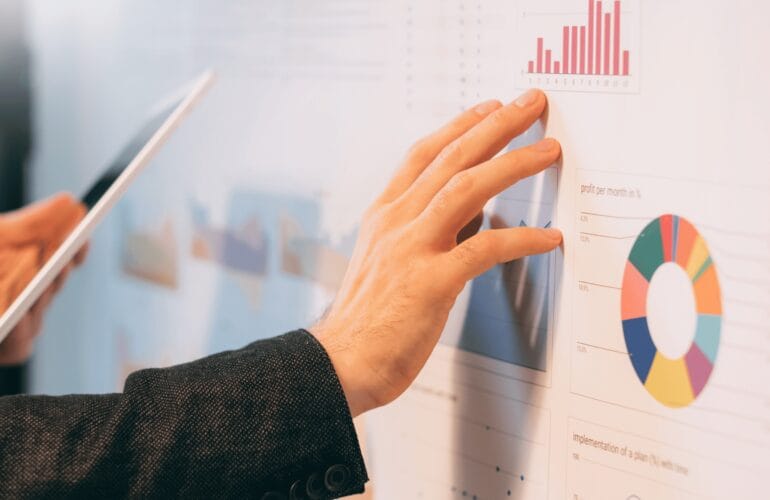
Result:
pixel 584 45
pixel 575 50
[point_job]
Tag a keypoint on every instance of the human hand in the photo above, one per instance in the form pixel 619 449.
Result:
pixel 411 261
pixel 28 238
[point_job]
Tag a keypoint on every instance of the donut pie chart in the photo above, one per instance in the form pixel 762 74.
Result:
pixel 671 239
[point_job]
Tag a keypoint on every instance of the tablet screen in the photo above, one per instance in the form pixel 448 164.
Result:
pixel 127 154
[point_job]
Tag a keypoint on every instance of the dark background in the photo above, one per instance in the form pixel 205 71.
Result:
pixel 15 133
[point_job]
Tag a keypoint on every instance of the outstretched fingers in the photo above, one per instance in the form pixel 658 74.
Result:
pixel 425 150
pixel 477 145
pixel 465 195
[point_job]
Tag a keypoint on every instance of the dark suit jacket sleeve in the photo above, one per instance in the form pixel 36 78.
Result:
pixel 254 423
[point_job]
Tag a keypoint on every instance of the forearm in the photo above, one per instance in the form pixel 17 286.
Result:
pixel 237 424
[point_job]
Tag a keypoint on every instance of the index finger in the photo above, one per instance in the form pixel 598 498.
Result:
pixel 467 193
pixel 57 234
pixel 37 222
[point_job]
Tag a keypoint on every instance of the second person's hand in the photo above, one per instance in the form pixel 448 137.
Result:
pixel 408 268
pixel 28 238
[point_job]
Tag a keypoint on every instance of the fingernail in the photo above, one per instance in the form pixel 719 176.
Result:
pixel 487 107
pixel 545 145
pixel 553 233
pixel 527 98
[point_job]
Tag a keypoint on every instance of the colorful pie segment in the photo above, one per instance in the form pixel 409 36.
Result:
pixel 673 382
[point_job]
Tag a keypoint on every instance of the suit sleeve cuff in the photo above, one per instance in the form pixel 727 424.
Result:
pixel 326 460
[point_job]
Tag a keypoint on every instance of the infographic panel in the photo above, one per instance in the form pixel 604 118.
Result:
pixel 149 253
pixel 607 462
pixel 511 306
pixel 669 334
pixel 508 323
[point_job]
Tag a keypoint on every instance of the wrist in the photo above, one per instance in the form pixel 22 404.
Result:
pixel 357 393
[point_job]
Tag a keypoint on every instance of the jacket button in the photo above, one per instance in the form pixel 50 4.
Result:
pixel 337 477
pixel 297 491
pixel 273 495
pixel 315 487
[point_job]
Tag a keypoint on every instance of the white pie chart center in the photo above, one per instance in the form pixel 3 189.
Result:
pixel 671 314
